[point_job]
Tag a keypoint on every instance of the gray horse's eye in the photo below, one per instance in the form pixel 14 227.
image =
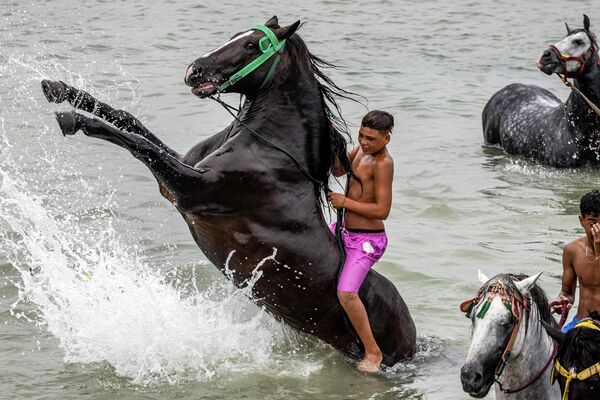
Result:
pixel 579 42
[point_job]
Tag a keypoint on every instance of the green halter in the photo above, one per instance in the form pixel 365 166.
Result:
pixel 269 45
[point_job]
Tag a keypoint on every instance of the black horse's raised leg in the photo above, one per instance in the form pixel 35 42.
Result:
pixel 180 179
pixel 58 92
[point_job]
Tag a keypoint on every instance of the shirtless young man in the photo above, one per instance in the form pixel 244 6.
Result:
pixel 581 261
pixel 368 203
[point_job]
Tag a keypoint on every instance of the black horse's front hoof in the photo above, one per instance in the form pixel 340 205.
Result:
pixel 69 122
pixel 55 91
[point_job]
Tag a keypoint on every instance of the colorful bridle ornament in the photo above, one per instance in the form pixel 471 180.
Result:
pixel 571 374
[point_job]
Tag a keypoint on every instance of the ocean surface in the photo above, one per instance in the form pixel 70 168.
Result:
pixel 103 293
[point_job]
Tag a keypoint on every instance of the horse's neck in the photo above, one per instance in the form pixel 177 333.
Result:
pixel 534 348
pixel 294 97
pixel 579 113
pixel 290 114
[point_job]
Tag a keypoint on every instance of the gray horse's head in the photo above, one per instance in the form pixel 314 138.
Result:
pixel 493 320
pixel 574 55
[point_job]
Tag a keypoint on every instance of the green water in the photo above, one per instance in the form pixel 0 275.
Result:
pixel 120 303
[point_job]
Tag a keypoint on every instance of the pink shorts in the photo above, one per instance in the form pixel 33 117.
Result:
pixel 363 249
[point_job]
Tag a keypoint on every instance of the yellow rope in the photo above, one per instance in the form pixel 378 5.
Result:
pixel 583 375
pixel 587 324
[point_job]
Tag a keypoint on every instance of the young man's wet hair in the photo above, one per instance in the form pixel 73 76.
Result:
pixel 590 203
pixel 378 120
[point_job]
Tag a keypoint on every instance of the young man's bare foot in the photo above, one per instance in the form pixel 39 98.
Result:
pixel 371 363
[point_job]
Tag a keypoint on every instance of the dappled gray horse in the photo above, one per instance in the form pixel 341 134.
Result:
pixel 532 122
pixel 250 194
pixel 509 345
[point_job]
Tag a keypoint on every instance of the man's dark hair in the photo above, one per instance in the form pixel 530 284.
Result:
pixel 379 120
pixel 590 203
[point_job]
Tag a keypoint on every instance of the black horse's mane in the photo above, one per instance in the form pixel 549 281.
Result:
pixel 580 347
pixel 537 294
pixel 330 92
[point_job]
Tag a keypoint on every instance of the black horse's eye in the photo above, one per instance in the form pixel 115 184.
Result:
pixel 251 46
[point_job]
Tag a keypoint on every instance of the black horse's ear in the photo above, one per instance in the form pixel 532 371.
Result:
pixel 287 31
pixel 273 23
pixel 568 29
pixel 586 22
pixel 554 332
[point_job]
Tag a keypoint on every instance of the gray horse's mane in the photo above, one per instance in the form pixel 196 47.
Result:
pixel 537 294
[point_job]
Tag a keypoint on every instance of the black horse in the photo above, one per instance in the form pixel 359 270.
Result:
pixel 250 207
pixel 530 121
pixel 578 355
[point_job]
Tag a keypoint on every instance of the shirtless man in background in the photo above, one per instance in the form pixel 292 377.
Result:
pixel 581 261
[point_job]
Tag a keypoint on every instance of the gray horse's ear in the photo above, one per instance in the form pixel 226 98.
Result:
pixel 482 277
pixel 553 332
pixel 526 284
pixel 273 23
pixel 586 22
pixel 568 29
pixel 287 31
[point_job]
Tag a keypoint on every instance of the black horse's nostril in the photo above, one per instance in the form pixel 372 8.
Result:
pixel 192 72
pixel 477 378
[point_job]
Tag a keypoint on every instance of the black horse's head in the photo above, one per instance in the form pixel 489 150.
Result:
pixel 219 69
pixel 270 56
pixel 573 56
pixel 578 355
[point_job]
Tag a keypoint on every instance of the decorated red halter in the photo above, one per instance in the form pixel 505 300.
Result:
pixel 517 304
pixel 564 58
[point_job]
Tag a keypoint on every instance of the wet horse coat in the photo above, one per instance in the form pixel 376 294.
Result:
pixel 530 121
pixel 249 208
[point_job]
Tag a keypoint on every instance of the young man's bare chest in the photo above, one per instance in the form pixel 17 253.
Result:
pixel 363 168
pixel 587 268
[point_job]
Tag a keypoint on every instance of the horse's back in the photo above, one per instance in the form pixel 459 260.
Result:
pixel 516 116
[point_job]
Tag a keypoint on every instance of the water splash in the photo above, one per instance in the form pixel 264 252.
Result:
pixel 79 280
pixel 104 304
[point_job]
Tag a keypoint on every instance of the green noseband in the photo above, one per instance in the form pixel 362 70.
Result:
pixel 268 45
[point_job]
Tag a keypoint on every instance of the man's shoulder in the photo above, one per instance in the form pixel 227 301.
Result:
pixel 385 162
pixel 576 245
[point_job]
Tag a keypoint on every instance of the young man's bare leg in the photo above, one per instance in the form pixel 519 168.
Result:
pixel 358 316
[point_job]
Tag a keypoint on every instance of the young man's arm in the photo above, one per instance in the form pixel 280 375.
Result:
pixel 338 170
pixel 569 279
pixel 383 174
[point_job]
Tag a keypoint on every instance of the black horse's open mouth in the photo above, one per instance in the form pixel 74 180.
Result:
pixel 205 89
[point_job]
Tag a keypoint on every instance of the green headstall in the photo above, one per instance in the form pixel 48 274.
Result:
pixel 268 45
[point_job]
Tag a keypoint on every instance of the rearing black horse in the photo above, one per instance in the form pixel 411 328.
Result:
pixel 530 121
pixel 249 207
